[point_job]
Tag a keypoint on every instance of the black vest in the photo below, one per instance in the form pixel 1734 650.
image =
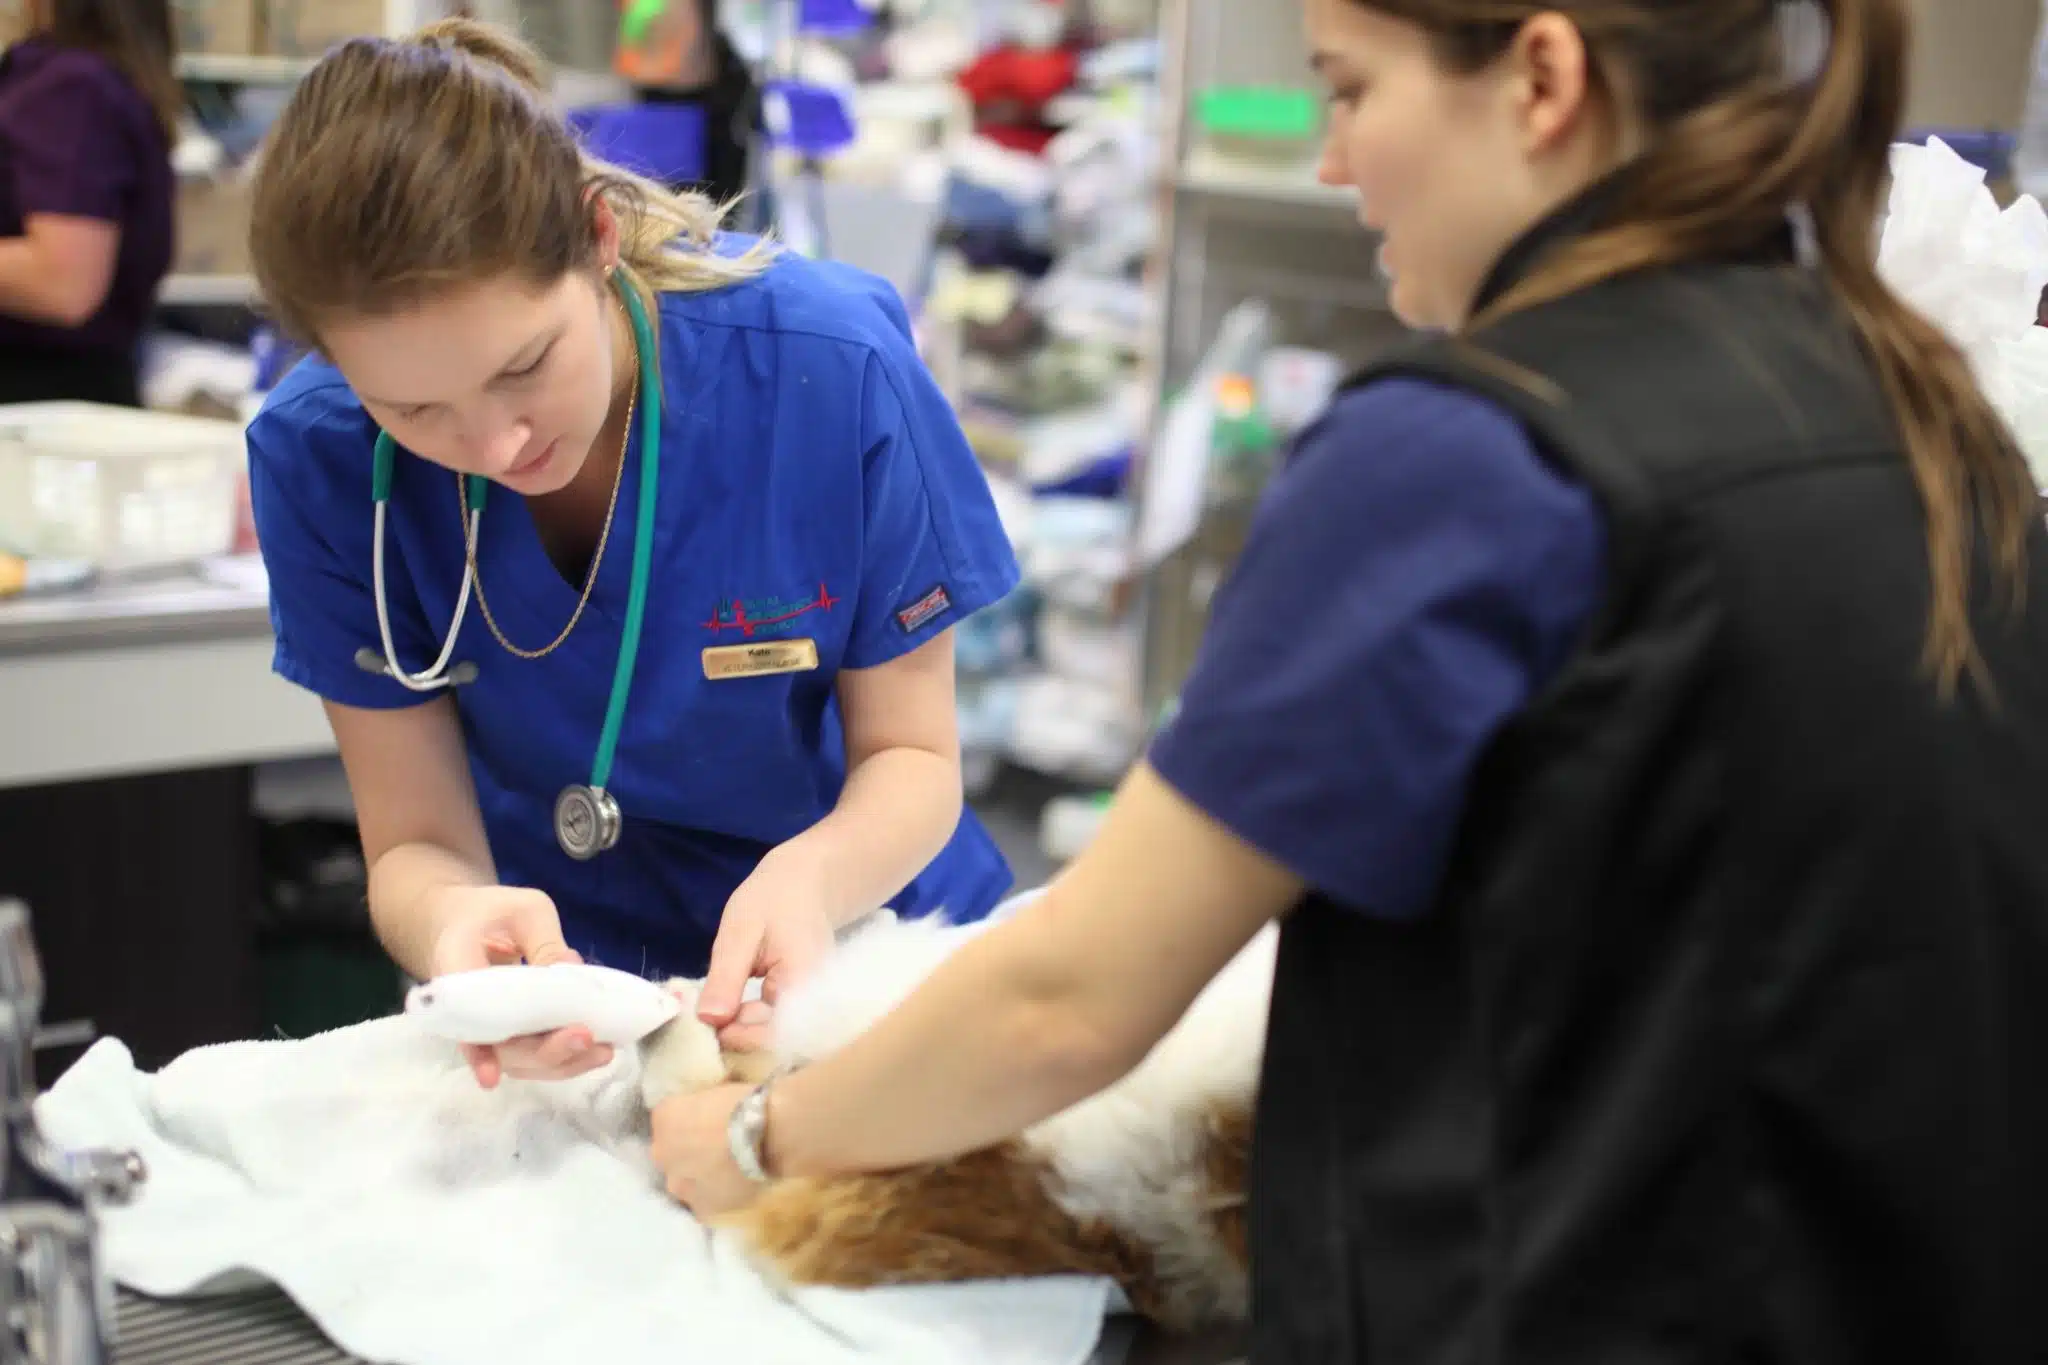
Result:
pixel 1727 1039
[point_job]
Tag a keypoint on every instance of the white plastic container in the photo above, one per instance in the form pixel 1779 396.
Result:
pixel 1296 384
pixel 123 488
pixel 1068 825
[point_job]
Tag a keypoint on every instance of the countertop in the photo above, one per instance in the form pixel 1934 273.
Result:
pixel 132 676
pixel 222 599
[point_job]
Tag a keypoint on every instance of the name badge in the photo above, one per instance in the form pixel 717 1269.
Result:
pixel 760 660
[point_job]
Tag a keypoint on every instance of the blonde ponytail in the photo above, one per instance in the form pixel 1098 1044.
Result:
pixel 490 45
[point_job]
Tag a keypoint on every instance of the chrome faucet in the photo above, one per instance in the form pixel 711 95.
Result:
pixel 56 1302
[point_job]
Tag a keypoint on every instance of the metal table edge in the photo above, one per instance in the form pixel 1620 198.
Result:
pixel 87 632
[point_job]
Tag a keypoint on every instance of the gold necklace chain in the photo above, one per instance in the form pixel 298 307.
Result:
pixel 605 535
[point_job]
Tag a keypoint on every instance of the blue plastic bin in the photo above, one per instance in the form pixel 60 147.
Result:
pixel 815 120
pixel 833 16
pixel 1981 147
pixel 1106 477
pixel 664 142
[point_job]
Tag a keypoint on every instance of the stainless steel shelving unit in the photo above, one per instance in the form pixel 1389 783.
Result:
pixel 1231 232
pixel 568 34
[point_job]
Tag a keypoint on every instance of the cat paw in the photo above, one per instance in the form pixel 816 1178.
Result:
pixel 752 1067
pixel 681 1057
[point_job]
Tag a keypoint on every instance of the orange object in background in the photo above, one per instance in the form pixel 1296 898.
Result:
pixel 1236 396
pixel 674 50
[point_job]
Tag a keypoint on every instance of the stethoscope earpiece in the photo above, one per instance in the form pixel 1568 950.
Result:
pixel 370 661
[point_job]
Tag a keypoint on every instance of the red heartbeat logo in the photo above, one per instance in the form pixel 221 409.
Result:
pixel 747 625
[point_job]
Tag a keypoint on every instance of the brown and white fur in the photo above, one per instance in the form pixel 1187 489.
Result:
pixel 1142 1183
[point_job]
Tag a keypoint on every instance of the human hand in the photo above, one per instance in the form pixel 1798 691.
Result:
pixel 774 927
pixel 490 926
pixel 690 1151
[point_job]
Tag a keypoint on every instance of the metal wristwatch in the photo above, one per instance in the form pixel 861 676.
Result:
pixel 746 1133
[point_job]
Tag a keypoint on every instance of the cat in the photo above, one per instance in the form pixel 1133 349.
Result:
pixel 1142 1183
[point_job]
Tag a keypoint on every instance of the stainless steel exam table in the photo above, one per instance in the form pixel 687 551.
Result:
pixel 266 1329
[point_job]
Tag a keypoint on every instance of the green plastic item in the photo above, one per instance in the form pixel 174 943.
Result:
pixel 1271 113
pixel 1246 435
pixel 639 17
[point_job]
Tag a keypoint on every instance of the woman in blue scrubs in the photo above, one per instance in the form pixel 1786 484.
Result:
pixel 1634 703
pixel 724 462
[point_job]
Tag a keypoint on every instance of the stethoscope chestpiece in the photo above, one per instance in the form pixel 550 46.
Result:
pixel 587 821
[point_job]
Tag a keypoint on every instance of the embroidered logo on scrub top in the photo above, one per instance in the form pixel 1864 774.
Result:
pixel 924 608
pixel 769 616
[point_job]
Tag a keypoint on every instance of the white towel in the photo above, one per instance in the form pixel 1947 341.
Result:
pixel 421 1220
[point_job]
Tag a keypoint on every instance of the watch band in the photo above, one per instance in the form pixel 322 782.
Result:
pixel 746 1132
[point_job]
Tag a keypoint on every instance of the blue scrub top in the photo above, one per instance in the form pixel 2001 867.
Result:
pixel 1413 577
pixel 814 484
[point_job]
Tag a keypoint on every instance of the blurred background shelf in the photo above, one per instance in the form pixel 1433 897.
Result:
pixel 1253 245
pixel 1206 174
pixel 233 69
pixel 208 290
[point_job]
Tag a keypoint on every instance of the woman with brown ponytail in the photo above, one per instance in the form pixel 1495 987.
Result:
pixel 1634 705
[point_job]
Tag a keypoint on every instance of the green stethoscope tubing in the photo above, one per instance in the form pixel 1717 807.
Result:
pixel 384 459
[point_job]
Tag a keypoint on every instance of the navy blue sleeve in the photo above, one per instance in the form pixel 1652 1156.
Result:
pixel 933 549
pixel 1413 576
pixel 313 532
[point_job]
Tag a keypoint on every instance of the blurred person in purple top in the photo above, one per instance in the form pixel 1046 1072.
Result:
pixel 89 105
